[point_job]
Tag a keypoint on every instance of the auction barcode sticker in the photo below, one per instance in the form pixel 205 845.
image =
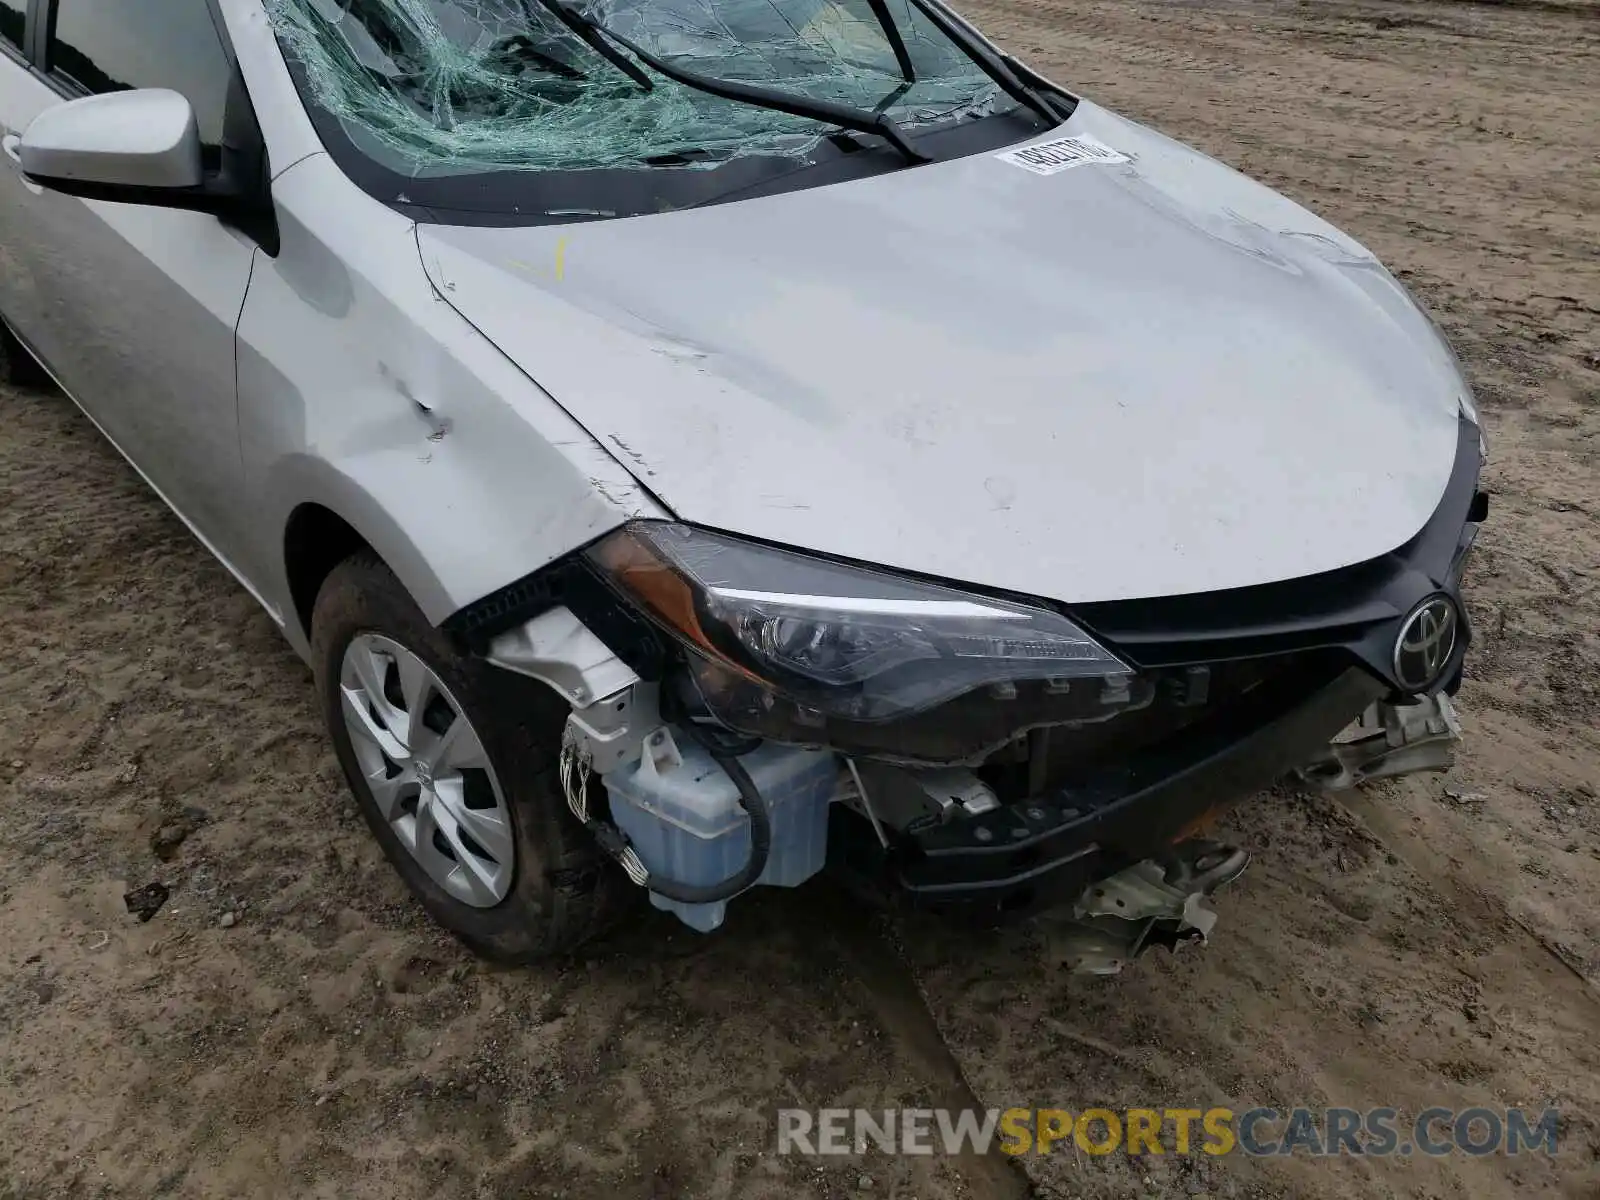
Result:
pixel 1046 158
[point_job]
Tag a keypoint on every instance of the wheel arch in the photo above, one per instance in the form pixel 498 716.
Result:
pixel 315 541
pixel 326 516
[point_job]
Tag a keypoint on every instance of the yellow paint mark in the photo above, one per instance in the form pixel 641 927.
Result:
pixel 539 272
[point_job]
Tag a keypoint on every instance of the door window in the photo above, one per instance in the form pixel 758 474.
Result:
pixel 13 17
pixel 113 45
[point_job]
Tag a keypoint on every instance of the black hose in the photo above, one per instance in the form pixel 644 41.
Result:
pixel 760 842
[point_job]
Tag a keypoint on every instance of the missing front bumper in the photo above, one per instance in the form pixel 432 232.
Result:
pixel 1045 852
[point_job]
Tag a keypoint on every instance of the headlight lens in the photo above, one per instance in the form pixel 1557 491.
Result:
pixel 842 641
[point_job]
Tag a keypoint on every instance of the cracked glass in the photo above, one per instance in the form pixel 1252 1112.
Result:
pixel 432 88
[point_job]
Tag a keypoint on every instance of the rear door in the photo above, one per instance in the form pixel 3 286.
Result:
pixel 134 308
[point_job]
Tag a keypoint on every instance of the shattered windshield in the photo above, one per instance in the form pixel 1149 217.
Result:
pixel 433 88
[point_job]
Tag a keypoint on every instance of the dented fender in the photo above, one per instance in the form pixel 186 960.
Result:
pixel 399 417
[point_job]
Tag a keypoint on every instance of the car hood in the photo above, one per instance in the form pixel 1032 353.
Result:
pixel 1119 380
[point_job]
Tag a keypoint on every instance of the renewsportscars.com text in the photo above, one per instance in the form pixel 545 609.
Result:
pixel 1317 1132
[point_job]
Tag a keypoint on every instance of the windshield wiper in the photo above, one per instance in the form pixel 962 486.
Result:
pixel 590 33
pixel 860 120
pixel 994 65
pixel 891 31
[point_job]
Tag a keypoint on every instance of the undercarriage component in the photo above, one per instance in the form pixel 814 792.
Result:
pixel 1388 740
pixel 611 732
pixel 1154 902
pixel 955 788
pixel 911 798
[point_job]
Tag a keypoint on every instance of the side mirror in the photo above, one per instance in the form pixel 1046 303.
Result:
pixel 137 146
pixel 143 147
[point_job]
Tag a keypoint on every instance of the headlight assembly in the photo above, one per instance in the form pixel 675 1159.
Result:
pixel 775 636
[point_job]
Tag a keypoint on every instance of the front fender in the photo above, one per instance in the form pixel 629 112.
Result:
pixel 360 391
pixel 366 505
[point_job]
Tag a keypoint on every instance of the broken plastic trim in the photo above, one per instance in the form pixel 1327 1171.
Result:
pixel 431 88
pixel 1152 903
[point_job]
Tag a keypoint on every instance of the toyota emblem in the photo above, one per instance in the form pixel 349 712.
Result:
pixel 1426 643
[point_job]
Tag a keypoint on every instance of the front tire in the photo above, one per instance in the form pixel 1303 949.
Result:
pixel 453 763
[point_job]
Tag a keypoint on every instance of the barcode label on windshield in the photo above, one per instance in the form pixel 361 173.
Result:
pixel 1046 158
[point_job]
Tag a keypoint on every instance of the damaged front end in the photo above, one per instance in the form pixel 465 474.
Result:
pixel 743 714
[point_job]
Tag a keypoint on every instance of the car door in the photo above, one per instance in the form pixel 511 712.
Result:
pixel 134 308
pixel 18 106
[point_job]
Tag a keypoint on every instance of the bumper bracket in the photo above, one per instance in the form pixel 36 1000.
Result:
pixel 1389 740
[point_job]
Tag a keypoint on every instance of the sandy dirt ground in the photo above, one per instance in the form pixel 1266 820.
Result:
pixel 290 1025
